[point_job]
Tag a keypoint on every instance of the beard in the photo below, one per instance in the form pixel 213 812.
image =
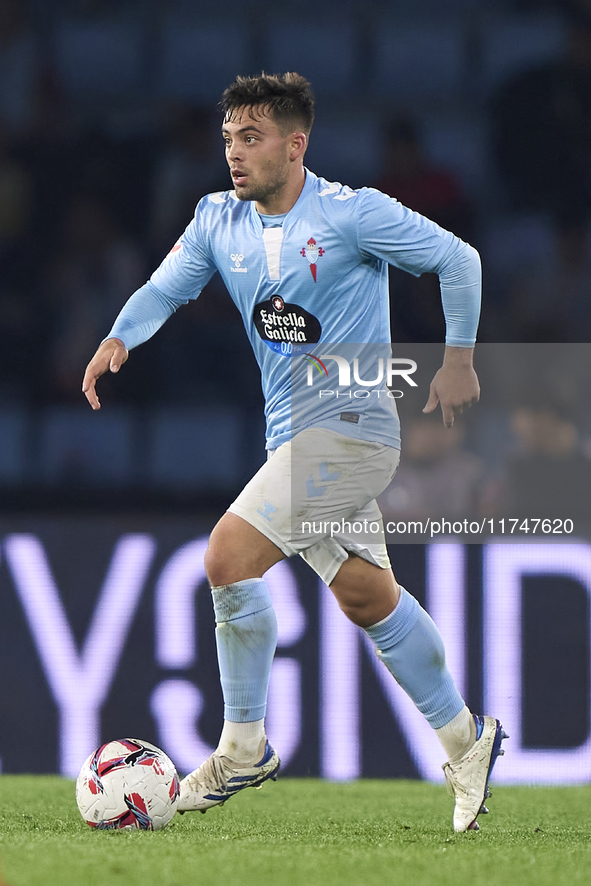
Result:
pixel 262 191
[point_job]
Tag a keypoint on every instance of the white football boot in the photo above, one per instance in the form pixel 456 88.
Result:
pixel 467 778
pixel 220 777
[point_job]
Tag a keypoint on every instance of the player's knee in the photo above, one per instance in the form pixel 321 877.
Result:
pixel 355 610
pixel 222 560
pixel 226 564
pixel 216 565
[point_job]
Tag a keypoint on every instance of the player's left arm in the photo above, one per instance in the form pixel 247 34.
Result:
pixel 455 385
pixel 415 244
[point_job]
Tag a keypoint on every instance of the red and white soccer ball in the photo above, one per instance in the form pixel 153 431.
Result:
pixel 128 784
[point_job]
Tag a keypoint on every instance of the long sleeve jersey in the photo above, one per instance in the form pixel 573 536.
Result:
pixel 317 276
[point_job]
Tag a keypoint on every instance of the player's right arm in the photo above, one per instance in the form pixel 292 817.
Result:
pixel 142 316
pixel 181 277
pixel 111 354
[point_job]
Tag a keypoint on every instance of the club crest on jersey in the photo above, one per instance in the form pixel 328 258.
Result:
pixel 312 252
pixel 237 268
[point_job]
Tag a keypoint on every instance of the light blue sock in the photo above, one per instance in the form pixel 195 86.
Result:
pixel 246 637
pixel 409 644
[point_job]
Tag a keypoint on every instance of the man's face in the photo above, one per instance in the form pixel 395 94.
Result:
pixel 257 154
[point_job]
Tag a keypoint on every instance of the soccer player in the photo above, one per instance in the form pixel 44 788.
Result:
pixel 305 260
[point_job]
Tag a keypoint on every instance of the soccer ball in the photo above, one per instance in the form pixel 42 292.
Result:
pixel 127 784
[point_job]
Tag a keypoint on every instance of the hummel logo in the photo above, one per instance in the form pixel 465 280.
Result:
pixel 237 258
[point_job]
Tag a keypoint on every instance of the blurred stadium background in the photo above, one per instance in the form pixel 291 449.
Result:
pixel 477 114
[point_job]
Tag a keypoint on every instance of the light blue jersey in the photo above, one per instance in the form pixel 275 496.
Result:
pixel 320 277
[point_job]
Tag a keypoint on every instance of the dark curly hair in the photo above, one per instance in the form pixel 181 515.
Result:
pixel 287 98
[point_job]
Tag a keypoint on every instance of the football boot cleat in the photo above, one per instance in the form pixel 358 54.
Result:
pixel 467 778
pixel 220 777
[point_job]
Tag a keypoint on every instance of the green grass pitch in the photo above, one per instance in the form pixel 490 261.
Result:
pixel 302 833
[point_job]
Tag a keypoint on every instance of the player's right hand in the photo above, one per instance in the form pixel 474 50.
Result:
pixel 111 355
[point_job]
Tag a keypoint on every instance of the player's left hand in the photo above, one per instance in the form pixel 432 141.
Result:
pixel 455 386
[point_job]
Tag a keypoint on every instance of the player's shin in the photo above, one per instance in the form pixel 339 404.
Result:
pixel 410 645
pixel 246 637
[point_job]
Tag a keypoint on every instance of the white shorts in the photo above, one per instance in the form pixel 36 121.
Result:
pixel 315 496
